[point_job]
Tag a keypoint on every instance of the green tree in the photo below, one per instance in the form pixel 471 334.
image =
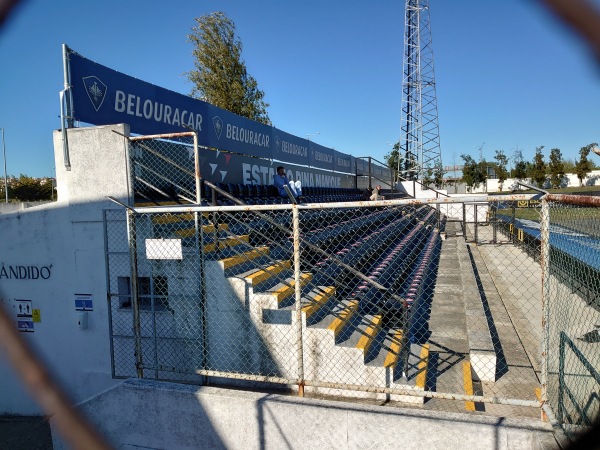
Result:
pixel 520 171
pixel 427 177
pixel 394 159
pixel 583 166
pixel 438 175
pixel 474 173
pixel 569 165
pixel 28 189
pixel 501 171
pixel 556 168
pixel 538 168
pixel 220 76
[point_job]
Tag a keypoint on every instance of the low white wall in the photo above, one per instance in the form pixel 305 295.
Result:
pixel 19 206
pixel 50 253
pixel 569 180
pixel 147 414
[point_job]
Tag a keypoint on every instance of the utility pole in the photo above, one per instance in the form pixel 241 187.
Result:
pixel 5 177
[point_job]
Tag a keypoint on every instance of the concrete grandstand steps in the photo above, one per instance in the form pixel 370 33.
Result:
pixel 206 229
pixel 343 344
pixel 269 287
pixel 315 303
pixel 282 294
pixel 238 263
pixel 371 356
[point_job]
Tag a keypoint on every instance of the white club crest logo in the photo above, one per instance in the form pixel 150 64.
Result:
pixel 96 91
pixel 277 144
pixel 218 125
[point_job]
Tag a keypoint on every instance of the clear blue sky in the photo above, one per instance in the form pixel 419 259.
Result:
pixel 508 74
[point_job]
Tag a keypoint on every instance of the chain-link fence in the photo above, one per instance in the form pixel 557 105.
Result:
pixel 367 300
pixel 165 167
pixel 572 309
pixel 436 303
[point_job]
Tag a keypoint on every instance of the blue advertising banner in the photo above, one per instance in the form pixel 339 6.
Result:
pixel 228 131
pixel 103 96
pixel 321 157
pixel 289 148
pixel 342 162
pixel 362 166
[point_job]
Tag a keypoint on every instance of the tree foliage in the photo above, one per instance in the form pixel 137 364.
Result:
pixel 220 76
pixel 474 173
pixel 427 177
pixel 584 166
pixel 520 171
pixel 538 168
pixel 556 168
pixel 28 189
pixel 438 175
pixel 394 159
pixel 501 171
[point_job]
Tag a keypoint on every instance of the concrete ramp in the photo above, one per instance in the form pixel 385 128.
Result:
pixel 143 414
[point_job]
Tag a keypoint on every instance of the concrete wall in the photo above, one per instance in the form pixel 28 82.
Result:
pixel 19 206
pixel 569 180
pixel 146 414
pixel 66 240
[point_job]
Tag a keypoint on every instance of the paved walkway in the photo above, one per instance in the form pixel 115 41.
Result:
pixel 24 433
pixel 505 284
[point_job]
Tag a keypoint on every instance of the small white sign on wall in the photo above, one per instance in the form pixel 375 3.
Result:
pixel 164 249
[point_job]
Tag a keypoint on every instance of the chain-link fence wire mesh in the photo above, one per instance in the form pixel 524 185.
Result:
pixel 367 296
pixel 504 305
pixel 164 169
pixel 572 294
pixel 391 300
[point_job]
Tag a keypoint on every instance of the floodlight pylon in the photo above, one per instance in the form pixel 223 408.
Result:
pixel 420 137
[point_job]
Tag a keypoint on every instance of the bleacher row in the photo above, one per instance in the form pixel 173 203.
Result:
pixel 383 244
pixel 255 194
pixel 395 247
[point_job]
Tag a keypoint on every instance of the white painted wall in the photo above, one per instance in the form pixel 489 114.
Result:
pixel 67 237
pixel 569 180
pixel 143 414
pixel 18 206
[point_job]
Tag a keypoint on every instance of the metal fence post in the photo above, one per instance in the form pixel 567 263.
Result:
pixel 494 219
pixel 464 221
pixel 200 253
pixel 137 329
pixel 476 220
pixel 513 221
pixel 198 175
pixel 545 263
pixel 298 292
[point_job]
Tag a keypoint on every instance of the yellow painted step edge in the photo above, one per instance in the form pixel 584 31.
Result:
pixel 271 271
pixel 172 218
pixel 468 383
pixel 366 339
pixel 190 232
pixel 285 291
pixel 339 322
pixel 228 242
pixel 394 352
pixel 239 259
pixel 318 301
pixel 422 367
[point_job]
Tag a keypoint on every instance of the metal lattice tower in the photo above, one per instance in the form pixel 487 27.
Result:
pixel 420 138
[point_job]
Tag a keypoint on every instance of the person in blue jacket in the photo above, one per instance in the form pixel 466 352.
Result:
pixel 280 179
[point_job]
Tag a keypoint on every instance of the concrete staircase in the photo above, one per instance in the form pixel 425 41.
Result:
pixel 343 344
